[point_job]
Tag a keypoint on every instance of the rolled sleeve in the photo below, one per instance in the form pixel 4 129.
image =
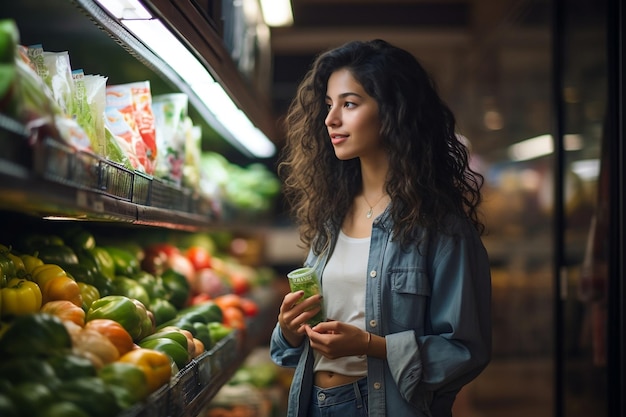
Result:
pixel 281 352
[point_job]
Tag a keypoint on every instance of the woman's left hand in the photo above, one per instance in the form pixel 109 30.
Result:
pixel 335 339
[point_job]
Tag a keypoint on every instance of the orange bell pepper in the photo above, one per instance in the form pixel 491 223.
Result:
pixel 92 345
pixel 45 272
pixel 155 365
pixel 115 332
pixel 65 310
pixel 55 284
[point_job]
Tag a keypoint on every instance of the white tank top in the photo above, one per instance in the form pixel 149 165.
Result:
pixel 343 287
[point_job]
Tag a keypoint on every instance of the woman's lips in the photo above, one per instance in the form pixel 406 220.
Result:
pixel 337 139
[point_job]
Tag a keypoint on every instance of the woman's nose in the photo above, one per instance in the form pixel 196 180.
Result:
pixel 332 118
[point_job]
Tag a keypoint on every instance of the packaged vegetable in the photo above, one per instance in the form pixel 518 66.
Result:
pixel 88 108
pixel 24 96
pixel 134 102
pixel 127 139
pixel 193 155
pixel 56 71
pixel 170 112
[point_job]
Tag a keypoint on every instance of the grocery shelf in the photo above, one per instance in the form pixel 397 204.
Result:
pixel 46 178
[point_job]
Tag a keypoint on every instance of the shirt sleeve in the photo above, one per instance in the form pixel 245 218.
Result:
pixel 281 352
pixel 459 345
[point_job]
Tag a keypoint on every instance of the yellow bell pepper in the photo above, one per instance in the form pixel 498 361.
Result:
pixel 155 365
pixel 20 297
pixel 89 294
pixel 30 262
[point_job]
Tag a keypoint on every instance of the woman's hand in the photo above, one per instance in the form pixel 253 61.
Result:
pixel 335 339
pixel 293 314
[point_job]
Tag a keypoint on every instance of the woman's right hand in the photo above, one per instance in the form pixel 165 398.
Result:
pixel 292 315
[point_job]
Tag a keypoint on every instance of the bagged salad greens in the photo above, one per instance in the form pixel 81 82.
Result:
pixel 24 96
pixel 170 112
pixel 88 108
pixel 193 155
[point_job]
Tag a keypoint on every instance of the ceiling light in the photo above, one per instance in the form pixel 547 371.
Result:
pixel 125 9
pixel 541 146
pixel 277 12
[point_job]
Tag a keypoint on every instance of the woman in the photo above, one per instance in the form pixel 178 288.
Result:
pixel 381 188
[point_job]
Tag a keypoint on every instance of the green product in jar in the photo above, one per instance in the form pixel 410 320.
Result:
pixel 305 279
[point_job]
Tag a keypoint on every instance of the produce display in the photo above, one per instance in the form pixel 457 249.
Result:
pixel 92 327
pixel 92 330
pixel 126 124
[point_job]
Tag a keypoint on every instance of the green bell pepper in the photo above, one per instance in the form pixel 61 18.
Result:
pixel 7 406
pixel 35 334
pixel 203 334
pixel 79 272
pixel 218 331
pixel 90 393
pixel 130 314
pixel 71 366
pixel 152 284
pixel 209 309
pixel 30 397
pixel 178 354
pixel 163 311
pixel 103 283
pixel 127 382
pixel 175 335
pixel 57 254
pixel 7 269
pixel 130 288
pixel 78 238
pixel 177 288
pixel 103 260
pixel 31 242
pixel 23 369
pixel 61 409
pixel 126 263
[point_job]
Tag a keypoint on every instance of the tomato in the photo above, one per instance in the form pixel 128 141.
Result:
pixel 199 257
pixel 234 317
pixel 249 307
pixel 239 283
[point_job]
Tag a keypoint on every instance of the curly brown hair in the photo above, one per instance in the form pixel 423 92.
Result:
pixel 429 176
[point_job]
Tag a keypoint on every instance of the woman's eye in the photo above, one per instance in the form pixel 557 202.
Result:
pixel 349 104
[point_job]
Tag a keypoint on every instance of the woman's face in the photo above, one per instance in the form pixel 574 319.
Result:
pixel 352 121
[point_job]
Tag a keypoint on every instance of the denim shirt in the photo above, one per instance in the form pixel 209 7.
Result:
pixel 434 309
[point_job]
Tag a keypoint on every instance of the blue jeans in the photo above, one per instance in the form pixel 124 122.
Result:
pixel 348 400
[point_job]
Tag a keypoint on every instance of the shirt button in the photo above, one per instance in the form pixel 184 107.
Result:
pixel 373 323
pixel 321 396
pixel 373 273
pixel 376 385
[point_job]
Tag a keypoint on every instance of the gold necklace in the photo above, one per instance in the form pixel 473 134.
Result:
pixel 370 212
